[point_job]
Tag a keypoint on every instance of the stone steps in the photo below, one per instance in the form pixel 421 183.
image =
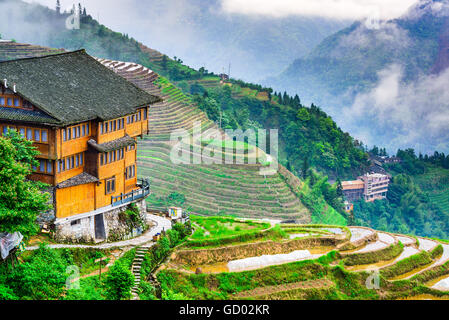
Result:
pixel 136 269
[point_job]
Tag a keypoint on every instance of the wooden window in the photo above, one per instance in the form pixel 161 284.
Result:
pixel 83 131
pixel 2 101
pixel 81 159
pixel 101 128
pixel 64 135
pixel 37 135
pixel 114 125
pixel 145 114
pixel 22 132
pixel 69 134
pixel 110 185
pixel 78 131
pixel 42 165
pixel 130 172
pixel 87 129
pixel 44 135
pixel 9 100
pixel 45 166
pixel 16 102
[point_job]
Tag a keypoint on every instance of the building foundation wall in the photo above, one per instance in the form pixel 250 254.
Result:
pixel 107 226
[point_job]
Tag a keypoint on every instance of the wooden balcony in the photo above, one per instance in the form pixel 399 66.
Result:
pixel 130 197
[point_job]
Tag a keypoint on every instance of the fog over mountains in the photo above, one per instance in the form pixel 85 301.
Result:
pixel 385 85
pixel 204 34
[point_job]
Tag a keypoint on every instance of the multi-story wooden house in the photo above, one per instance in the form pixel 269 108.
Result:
pixel 84 119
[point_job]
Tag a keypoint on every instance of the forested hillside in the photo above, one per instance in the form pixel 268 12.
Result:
pixel 417 200
pixel 386 84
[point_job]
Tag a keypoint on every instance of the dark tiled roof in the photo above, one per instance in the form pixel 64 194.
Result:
pixel 83 178
pixel 26 116
pixel 112 145
pixel 73 87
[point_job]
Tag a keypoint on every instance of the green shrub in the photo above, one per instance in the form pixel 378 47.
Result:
pixel 118 282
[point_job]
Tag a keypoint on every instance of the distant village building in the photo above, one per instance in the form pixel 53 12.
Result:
pixel 380 160
pixel 224 77
pixel 353 190
pixel 376 186
pixel 84 120
pixel 369 187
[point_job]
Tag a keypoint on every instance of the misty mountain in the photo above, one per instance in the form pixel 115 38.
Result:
pixel 202 35
pixel 385 84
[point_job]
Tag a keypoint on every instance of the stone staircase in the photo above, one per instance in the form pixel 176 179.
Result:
pixel 135 269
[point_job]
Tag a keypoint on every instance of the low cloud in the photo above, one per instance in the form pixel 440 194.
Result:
pixel 342 9
pixel 401 115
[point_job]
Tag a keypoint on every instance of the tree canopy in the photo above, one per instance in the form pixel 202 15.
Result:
pixel 21 200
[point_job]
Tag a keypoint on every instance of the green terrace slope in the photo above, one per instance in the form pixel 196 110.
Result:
pixel 175 112
pixel 217 189
pixel 235 189
pixel 435 183
pixel 229 258
pixel 11 50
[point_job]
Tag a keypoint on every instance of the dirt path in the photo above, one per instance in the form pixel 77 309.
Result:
pixel 262 291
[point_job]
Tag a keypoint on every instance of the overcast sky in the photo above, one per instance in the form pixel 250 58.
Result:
pixel 115 13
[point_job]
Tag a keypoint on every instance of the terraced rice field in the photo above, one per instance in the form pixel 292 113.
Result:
pixel 218 189
pixel 12 50
pixel 286 268
pixel 436 184
pixel 209 189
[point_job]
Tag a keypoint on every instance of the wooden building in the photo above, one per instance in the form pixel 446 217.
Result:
pixel 84 119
